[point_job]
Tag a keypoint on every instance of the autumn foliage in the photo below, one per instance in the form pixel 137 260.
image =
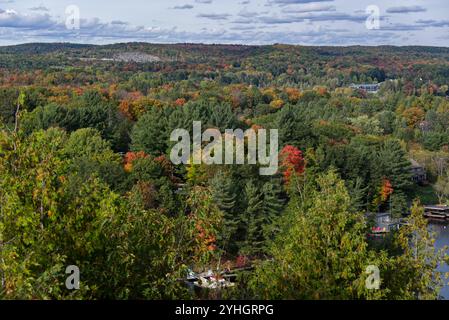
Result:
pixel 292 162
pixel 293 94
pixel 130 157
pixel 180 102
pixel 135 105
pixel 413 116
pixel 206 237
pixel 386 190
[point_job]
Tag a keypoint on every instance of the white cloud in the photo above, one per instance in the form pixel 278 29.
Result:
pixel 288 2
pixel 406 9
pixel 40 8
pixel 238 21
pixel 214 16
pixel 311 7
pixel 12 19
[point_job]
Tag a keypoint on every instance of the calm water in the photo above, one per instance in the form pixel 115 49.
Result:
pixel 442 239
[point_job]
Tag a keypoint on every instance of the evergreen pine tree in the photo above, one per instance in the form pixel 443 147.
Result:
pixel 252 221
pixel 273 205
pixel 225 197
pixel 223 117
pixel 394 165
pixel 295 128
pixel 398 204
pixel 150 134
pixel 358 195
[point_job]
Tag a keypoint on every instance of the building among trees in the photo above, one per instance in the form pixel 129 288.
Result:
pixel 419 174
pixel 368 87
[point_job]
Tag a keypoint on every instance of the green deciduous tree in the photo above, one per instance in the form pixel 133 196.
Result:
pixel 442 188
pixel 321 253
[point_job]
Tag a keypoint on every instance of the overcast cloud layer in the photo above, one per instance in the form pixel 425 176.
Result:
pixel 307 22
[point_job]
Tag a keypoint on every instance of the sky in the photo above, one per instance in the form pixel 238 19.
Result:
pixel 303 22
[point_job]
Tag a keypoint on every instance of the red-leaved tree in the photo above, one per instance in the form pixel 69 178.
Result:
pixel 292 162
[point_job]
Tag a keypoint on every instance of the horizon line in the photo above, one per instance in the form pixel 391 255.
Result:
pixel 219 44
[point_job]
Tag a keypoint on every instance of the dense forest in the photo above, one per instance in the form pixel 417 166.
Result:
pixel 86 177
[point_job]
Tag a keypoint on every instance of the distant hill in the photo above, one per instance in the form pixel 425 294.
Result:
pixel 42 48
pixel 326 65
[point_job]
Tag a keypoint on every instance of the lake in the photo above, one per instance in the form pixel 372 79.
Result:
pixel 441 230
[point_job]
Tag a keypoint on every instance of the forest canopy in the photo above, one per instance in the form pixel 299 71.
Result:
pixel 86 177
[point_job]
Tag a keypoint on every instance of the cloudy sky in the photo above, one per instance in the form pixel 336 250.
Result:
pixel 308 22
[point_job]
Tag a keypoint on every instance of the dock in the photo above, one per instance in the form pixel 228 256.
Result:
pixel 437 212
